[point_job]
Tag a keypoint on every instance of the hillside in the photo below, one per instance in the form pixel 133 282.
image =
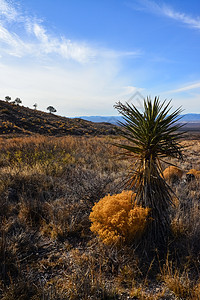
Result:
pixel 22 120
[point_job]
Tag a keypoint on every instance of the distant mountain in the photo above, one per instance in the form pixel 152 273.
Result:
pixel 16 119
pixel 191 118
pixel 100 119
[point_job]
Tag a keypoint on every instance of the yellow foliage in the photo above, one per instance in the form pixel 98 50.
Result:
pixel 117 219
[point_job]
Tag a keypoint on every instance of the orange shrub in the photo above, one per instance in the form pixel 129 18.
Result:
pixel 194 172
pixel 173 174
pixel 117 219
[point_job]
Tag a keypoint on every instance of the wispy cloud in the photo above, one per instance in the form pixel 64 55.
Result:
pixel 185 88
pixel 37 41
pixel 8 11
pixel 47 44
pixel 182 17
pixel 167 11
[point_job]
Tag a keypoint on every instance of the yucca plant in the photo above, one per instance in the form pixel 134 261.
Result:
pixel 152 135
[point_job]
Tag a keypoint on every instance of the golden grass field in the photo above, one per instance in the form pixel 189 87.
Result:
pixel 47 251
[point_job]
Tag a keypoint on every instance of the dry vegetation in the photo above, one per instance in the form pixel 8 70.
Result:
pixel 47 250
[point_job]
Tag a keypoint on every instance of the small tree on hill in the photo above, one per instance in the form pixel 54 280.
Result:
pixel 51 109
pixel 18 101
pixel 35 106
pixel 7 98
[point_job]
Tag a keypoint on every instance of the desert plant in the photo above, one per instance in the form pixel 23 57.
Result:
pixel 152 136
pixel 115 219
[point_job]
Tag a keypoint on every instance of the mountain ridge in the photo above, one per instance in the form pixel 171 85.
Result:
pixel 190 117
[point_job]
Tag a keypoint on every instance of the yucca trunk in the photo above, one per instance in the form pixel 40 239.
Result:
pixel 152 191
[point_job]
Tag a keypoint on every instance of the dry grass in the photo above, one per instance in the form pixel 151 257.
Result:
pixel 48 187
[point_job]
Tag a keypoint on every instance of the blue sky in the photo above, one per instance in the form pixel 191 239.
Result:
pixel 81 56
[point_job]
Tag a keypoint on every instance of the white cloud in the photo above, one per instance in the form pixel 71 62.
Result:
pixel 178 16
pixel 8 11
pixel 165 10
pixel 61 46
pixel 11 44
pixel 36 41
pixel 185 88
pixel 42 44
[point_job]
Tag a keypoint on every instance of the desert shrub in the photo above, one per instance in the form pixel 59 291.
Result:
pixel 192 174
pixel 115 219
pixel 173 174
pixel 192 171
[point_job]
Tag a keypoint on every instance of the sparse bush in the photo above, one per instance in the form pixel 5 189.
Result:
pixel 116 219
